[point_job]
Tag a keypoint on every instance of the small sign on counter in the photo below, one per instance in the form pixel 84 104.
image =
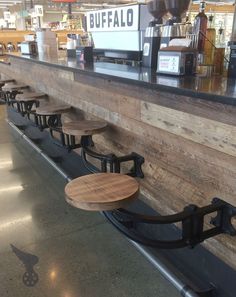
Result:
pixel 169 63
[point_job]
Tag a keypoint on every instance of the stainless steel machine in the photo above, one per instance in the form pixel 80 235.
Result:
pixel 119 32
pixel 152 39
pixel 174 28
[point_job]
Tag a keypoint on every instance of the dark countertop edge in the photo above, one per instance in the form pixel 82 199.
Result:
pixel 168 89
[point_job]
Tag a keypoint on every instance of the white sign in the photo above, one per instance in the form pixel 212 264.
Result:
pixel 38 10
pixel 168 63
pixel 7 15
pixel 116 19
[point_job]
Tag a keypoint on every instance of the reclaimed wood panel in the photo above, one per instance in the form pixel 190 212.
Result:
pixel 211 133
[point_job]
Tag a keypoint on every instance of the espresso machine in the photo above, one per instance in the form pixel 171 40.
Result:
pixel 152 39
pixel 174 28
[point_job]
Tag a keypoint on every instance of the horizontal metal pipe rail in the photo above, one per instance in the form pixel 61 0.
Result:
pixel 162 266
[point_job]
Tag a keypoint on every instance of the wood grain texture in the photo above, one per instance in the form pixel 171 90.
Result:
pixel 211 133
pixel 13 87
pixel 52 109
pixel 189 153
pixel 28 96
pixel 80 128
pixel 101 191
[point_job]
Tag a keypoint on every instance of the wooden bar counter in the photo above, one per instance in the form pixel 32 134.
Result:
pixel 185 128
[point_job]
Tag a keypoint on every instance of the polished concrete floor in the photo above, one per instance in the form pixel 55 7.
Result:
pixel 48 248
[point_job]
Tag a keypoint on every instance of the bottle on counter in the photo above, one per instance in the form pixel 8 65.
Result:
pixel 200 27
pixel 188 26
pixel 210 41
pixel 221 37
pixel 220 62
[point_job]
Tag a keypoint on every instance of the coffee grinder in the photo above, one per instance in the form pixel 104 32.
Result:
pixel 153 33
pixel 174 28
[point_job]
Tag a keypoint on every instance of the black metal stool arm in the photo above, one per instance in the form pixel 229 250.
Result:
pixel 54 121
pixel 112 160
pixel 29 105
pixel 188 211
pixel 138 160
pixel 95 155
pixel 105 160
pixel 24 107
pixel 160 220
pixel 86 164
pixel 192 219
pixel 135 236
pixel 47 121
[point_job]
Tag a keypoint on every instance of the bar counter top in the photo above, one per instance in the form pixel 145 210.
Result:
pixel 216 88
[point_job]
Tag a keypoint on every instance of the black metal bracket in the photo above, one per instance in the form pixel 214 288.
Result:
pixel 54 124
pixel 110 162
pixel 47 121
pixel 70 142
pixel 191 218
pixel 9 97
pixel 26 108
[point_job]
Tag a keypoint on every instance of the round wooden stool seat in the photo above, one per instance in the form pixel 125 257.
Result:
pixel 48 110
pixel 81 128
pixel 29 96
pixel 101 191
pixel 13 87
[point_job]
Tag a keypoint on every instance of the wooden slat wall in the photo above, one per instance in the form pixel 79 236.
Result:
pixel 189 144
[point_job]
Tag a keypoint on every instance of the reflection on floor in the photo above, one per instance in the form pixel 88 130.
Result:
pixel 49 249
